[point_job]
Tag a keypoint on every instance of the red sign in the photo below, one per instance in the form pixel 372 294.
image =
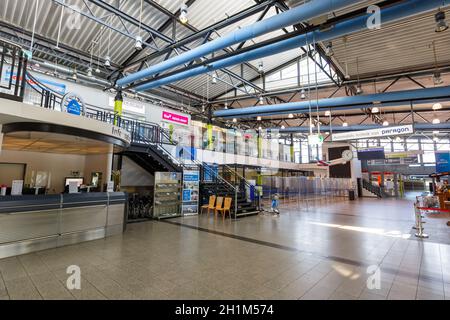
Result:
pixel 172 117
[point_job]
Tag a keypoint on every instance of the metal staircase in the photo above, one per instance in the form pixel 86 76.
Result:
pixel 376 190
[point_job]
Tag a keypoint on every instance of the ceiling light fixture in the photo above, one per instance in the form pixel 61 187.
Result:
pixel 138 43
pixel 436 132
pixel 290 116
pixel 385 123
pixel 261 100
pixel 261 67
pixel 327 113
pixel 436 121
pixel 184 14
pixel 345 124
pixel 283 127
pixel 437 106
pixel 437 79
pixel 359 89
pixel 375 110
pixel 303 94
pixel 258 118
pixel 234 120
pixel 214 78
pixel 441 24
pixel 329 49
pixel 89 72
pixel 75 75
pixel 107 61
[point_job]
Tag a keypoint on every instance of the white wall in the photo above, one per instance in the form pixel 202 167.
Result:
pixel 95 163
pixel 59 165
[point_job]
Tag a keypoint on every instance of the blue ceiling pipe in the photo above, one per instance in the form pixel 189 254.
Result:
pixel 340 103
pixel 301 13
pixel 305 129
pixel 403 10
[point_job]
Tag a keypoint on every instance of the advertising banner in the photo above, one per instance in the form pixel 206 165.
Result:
pixel 442 161
pixel 191 189
pixel 175 118
pixel 374 133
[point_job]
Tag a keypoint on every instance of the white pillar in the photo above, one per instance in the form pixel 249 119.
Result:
pixel 109 161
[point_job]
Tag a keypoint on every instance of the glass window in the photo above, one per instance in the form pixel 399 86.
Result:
pixel 428 151
pixel 443 145
pixel 305 152
pixel 412 144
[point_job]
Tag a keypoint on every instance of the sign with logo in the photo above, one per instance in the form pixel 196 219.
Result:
pixel 374 133
pixel 121 134
pixel 73 104
pixel 442 161
pixel 175 118
pixel 191 182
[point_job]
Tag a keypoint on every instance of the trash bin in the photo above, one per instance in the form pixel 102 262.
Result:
pixel 351 195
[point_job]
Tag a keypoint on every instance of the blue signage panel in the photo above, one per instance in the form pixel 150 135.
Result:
pixel 186 153
pixel 186 195
pixel 442 161
pixel 74 107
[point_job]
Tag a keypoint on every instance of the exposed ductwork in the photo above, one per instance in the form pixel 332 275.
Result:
pixel 391 14
pixel 341 103
pixel 305 12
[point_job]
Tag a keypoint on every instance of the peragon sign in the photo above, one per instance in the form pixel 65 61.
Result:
pixel 374 133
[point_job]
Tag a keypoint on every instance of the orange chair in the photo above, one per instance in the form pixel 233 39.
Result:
pixel 226 208
pixel 210 205
pixel 219 203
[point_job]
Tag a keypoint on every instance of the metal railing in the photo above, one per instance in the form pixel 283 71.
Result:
pixel 377 190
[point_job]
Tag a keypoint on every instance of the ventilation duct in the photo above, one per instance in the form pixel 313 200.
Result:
pixel 312 9
pixel 388 15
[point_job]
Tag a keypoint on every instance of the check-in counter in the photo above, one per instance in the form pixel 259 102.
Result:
pixel 33 223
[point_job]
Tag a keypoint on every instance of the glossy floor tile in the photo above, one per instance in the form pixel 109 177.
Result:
pixel 328 249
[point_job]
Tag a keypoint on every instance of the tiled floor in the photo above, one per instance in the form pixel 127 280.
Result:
pixel 322 252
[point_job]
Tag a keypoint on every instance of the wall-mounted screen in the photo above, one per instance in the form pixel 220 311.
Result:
pixel 371 154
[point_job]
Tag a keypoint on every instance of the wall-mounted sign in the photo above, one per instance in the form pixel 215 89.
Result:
pixel 191 179
pixel 403 154
pixel 374 133
pixel 16 188
pixel 175 118
pixel 73 104
pixel 130 105
pixel 315 139
pixel 442 161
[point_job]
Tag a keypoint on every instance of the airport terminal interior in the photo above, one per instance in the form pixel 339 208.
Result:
pixel 224 150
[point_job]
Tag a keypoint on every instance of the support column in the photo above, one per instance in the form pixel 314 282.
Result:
pixel 109 164
pixel 292 148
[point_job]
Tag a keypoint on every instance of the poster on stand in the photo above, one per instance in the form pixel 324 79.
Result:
pixel 191 181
